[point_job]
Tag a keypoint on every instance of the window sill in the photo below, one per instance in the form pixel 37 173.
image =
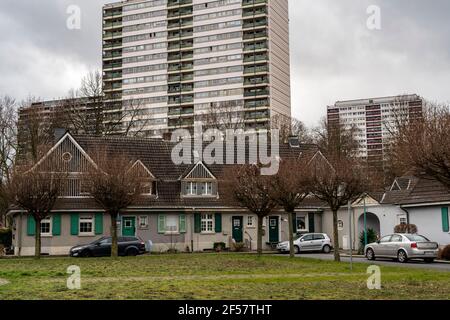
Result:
pixel 172 233
pixel 207 233
pixel 86 235
pixel 46 235
pixel 251 227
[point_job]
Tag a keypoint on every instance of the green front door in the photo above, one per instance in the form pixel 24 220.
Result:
pixel 128 226
pixel 238 234
pixel 274 229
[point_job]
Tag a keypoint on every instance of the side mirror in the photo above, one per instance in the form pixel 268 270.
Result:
pixel 302 240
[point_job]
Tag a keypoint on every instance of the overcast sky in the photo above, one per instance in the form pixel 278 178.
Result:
pixel 334 56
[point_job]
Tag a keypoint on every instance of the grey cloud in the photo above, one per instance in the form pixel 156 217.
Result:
pixel 333 55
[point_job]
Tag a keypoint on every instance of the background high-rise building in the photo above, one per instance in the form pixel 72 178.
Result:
pixel 180 59
pixel 375 120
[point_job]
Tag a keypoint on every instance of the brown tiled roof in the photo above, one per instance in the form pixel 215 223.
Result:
pixel 155 154
pixel 417 190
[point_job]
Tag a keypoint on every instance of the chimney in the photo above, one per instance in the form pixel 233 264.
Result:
pixel 294 142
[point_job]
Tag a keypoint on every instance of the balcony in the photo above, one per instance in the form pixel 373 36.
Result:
pixel 253 2
pixel 180 67
pixel 255 46
pixel 255 80
pixel 182 23
pixel 180 88
pixel 255 58
pixel 174 3
pixel 254 12
pixel 179 12
pixel 256 69
pixel 182 34
pixel 256 92
pixel 180 99
pixel 180 56
pixel 112 65
pixel 181 78
pixel 255 35
pixel 254 24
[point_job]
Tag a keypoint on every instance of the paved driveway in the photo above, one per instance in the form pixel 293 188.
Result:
pixel 386 262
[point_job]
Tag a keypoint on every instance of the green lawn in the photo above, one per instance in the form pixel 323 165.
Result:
pixel 213 276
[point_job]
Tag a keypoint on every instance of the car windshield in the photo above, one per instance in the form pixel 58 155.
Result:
pixel 416 237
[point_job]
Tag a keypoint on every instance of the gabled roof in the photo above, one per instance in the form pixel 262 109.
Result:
pixel 417 190
pixel 155 155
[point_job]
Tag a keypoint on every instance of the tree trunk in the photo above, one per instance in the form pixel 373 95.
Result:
pixel 37 239
pixel 291 235
pixel 260 235
pixel 337 256
pixel 114 245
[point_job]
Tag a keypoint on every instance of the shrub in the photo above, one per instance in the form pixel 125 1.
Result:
pixel 238 247
pixel 406 228
pixel 371 237
pixel 444 254
pixel 2 250
pixel 219 246
pixel 5 237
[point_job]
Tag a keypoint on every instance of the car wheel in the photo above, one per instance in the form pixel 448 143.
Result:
pixel 429 260
pixel 326 249
pixel 132 252
pixel 297 249
pixel 370 255
pixel 86 254
pixel 402 257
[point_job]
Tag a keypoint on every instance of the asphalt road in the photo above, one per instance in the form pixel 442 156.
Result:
pixel 441 266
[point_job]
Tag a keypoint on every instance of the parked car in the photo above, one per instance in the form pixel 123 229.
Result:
pixel 128 246
pixel 403 247
pixel 308 242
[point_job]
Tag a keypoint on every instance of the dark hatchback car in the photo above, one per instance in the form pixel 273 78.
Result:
pixel 128 246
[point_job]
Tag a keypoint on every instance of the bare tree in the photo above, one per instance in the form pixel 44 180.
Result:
pixel 35 192
pixel 114 186
pixel 343 176
pixel 289 188
pixel 8 147
pixel 246 186
pixel 421 144
pixel 291 127
pixel 88 111
pixel 223 116
pixel 35 131
pixel 8 136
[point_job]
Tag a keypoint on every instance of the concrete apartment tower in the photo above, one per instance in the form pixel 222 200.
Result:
pixel 375 118
pixel 177 59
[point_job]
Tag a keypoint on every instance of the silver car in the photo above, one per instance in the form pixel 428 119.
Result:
pixel 403 247
pixel 308 242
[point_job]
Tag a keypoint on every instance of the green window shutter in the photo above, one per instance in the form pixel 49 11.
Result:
pixel 445 224
pixel 74 217
pixel 197 223
pixel 31 225
pixel 56 227
pixel 161 223
pixel 99 223
pixel 218 222
pixel 182 223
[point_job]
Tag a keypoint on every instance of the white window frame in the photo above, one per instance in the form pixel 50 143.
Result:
pixel 145 225
pixel 177 219
pixel 207 223
pixel 206 190
pixel 305 217
pixel 250 222
pixel 86 219
pixel 191 188
pixel 48 220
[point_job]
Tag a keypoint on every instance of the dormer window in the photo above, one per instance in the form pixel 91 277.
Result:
pixel 149 188
pixel 199 182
